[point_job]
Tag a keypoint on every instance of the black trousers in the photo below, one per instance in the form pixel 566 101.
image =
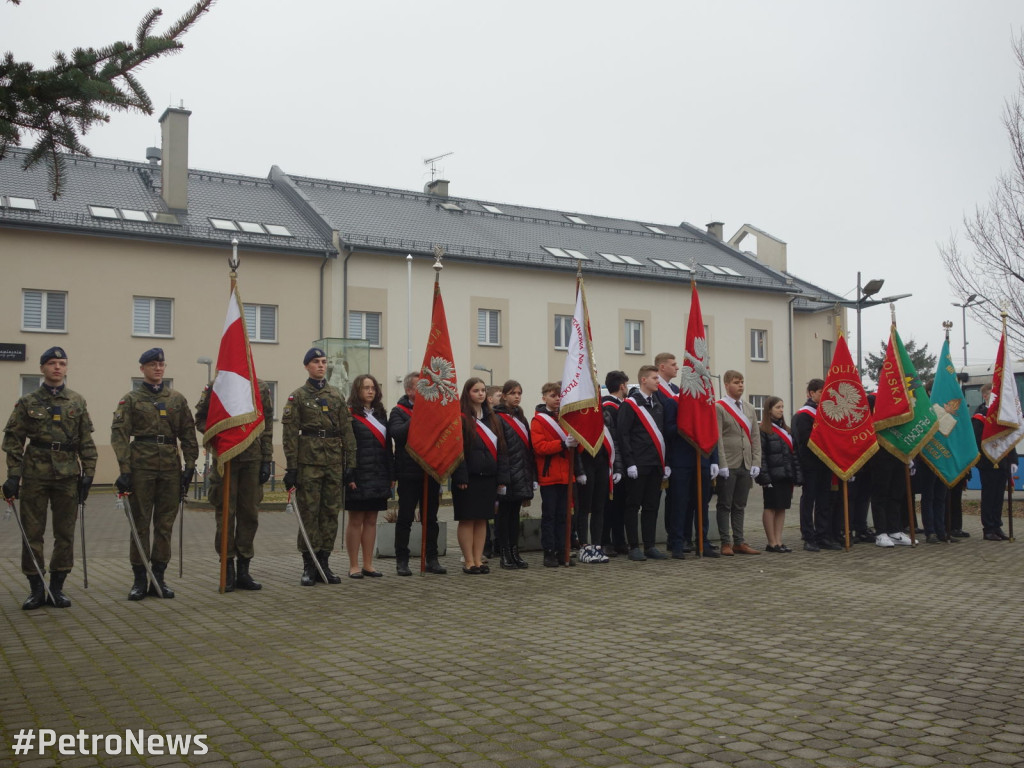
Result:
pixel 410 494
pixel 888 492
pixel 993 491
pixel 592 499
pixel 506 522
pixel 816 517
pixel 643 496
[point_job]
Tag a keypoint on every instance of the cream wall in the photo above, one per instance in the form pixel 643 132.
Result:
pixel 102 275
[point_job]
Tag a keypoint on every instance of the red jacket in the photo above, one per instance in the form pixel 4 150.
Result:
pixel 554 460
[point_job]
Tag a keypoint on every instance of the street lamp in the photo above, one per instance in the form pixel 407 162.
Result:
pixel 970 302
pixel 864 293
pixel 209 368
pixel 479 367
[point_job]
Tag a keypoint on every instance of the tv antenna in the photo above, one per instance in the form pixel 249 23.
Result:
pixel 432 162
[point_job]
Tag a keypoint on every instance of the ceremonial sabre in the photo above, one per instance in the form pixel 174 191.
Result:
pixel 138 546
pixel 28 546
pixel 305 538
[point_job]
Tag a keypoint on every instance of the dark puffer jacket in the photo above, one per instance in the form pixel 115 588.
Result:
pixel 779 463
pixel 406 467
pixel 478 459
pixel 374 469
pixel 521 467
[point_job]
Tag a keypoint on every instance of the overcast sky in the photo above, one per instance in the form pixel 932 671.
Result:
pixel 858 132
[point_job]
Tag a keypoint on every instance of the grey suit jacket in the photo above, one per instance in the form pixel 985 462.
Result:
pixel 735 449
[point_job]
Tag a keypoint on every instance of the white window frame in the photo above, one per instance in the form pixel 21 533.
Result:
pixel 361 322
pixel 44 301
pixel 757 403
pixel 759 344
pixel 255 328
pixel 151 317
pixel 633 331
pixel 488 327
pixel 29 383
pixel 563 329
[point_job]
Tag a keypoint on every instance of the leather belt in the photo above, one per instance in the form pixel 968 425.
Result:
pixel 158 439
pixel 53 446
pixel 319 433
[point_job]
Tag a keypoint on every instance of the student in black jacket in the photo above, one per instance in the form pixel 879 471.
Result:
pixel 522 474
pixel 780 471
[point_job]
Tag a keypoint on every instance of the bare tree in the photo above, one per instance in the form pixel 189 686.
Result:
pixel 994 267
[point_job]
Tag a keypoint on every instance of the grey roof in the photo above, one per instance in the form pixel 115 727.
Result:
pixel 381 220
pixel 136 186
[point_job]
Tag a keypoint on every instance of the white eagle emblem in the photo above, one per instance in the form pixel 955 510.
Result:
pixel 437 381
pixel 694 376
pixel 846 405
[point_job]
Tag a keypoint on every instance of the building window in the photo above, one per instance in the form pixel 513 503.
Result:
pixel 44 311
pixel 30 383
pixel 152 317
pixel 635 337
pixel 365 325
pixel 261 322
pixel 488 321
pixel 757 401
pixel 563 331
pixel 826 357
pixel 758 344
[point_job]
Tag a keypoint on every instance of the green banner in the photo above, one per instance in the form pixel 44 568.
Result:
pixel 906 440
pixel 953 450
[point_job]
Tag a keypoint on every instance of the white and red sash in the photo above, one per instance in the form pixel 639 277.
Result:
pixel 786 437
pixel 489 438
pixel 609 445
pixel 377 429
pixel 518 427
pixel 739 415
pixel 408 411
pixel 553 424
pixel 652 429
pixel 809 409
pixel 666 389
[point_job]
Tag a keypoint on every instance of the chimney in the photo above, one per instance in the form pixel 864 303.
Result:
pixel 715 229
pixel 174 169
pixel 437 187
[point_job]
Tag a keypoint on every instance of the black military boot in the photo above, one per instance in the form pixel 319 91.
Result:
pixel 434 565
pixel 520 563
pixel 37 596
pixel 244 580
pixel 550 558
pixel 402 566
pixel 506 559
pixel 138 591
pixel 309 574
pixel 323 557
pixel 158 571
pixel 57 589
pixel 229 579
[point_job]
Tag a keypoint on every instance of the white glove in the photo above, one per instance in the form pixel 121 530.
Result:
pixel 755 471
pixel 570 442
pixel 723 472
pixel 631 471
pixel 581 479
pixel 502 490
pixel 913 469
pixel 536 486
pixel 715 471
pixel 668 473
pixel 616 478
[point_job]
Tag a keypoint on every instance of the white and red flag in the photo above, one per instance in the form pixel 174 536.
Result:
pixel 1004 424
pixel 235 417
pixel 696 419
pixel 435 427
pixel 580 409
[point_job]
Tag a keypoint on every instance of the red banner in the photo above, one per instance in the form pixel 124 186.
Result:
pixel 1004 425
pixel 843 436
pixel 892 401
pixel 696 419
pixel 435 428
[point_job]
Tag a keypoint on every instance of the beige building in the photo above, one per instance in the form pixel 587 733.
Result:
pixel 134 255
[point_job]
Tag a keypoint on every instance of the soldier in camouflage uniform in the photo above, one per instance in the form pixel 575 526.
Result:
pixel 320 449
pixel 249 471
pixel 148 424
pixel 55 468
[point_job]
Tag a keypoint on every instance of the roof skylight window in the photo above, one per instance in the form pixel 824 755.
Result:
pixel 612 258
pixel 682 267
pixel 577 254
pixel 665 264
pixel 22 203
pixel 731 271
pixel 132 215
pixel 251 226
pixel 165 218
pixel 713 269
pixel 631 260
pixel 226 224
pixel 575 219
pixel 277 230
pixel 556 252
pixel 491 208
pixel 103 212
pixel 655 229
pixel 451 206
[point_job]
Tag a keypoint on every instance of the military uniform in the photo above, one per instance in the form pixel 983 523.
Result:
pixel 49 446
pixel 148 425
pixel 249 470
pixel 320 449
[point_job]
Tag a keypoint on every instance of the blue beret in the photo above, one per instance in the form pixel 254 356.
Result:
pixel 53 353
pixel 313 353
pixel 154 355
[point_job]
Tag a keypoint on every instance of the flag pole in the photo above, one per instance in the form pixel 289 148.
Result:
pixel 1009 478
pixel 570 506
pixel 846 514
pixel 424 505
pixel 700 502
pixel 910 508
pixel 225 503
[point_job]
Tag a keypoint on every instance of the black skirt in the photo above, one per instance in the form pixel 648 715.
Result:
pixel 476 501
pixel 366 505
pixel 778 496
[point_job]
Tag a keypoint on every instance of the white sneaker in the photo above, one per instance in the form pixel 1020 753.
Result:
pixel 586 554
pixel 902 539
pixel 883 540
pixel 601 556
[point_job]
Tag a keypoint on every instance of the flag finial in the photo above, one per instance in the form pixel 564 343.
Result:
pixel 947 325
pixel 438 255
pixel 892 311
pixel 233 260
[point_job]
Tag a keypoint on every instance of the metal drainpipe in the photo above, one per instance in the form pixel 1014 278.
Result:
pixel 792 374
pixel 323 265
pixel 344 293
